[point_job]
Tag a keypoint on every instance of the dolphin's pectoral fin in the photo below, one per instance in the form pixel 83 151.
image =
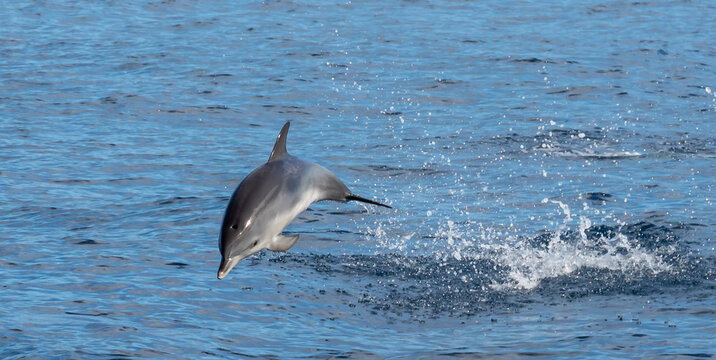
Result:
pixel 282 242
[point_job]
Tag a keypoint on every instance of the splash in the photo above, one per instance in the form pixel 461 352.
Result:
pixel 529 265
pixel 521 263
pixel 564 252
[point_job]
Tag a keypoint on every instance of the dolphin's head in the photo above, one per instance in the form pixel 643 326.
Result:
pixel 237 241
pixel 234 249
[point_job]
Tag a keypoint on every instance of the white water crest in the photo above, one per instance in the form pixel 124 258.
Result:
pixel 589 153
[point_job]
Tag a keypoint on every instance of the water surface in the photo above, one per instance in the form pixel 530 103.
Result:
pixel 551 167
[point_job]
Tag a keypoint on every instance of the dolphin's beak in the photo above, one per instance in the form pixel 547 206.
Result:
pixel 226 266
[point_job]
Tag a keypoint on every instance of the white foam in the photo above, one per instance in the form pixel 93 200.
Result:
pixel 529 264
pixel 594 154
pixel 600 152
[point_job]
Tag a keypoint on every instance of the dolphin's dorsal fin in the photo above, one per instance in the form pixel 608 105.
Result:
pixel 279 149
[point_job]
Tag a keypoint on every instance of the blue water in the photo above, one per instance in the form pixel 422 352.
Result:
pixel 551 166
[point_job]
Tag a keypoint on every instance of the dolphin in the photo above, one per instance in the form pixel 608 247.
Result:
pixel 269 198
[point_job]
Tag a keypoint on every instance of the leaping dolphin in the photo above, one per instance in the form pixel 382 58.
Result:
pixel 270 198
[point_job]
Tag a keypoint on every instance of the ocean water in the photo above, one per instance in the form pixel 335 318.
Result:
pixel 551 166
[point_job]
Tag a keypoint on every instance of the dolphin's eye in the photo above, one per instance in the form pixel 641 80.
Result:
pixel 234 227
pixel 256 243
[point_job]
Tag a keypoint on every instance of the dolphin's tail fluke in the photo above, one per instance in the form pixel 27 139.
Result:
pixel 362 199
